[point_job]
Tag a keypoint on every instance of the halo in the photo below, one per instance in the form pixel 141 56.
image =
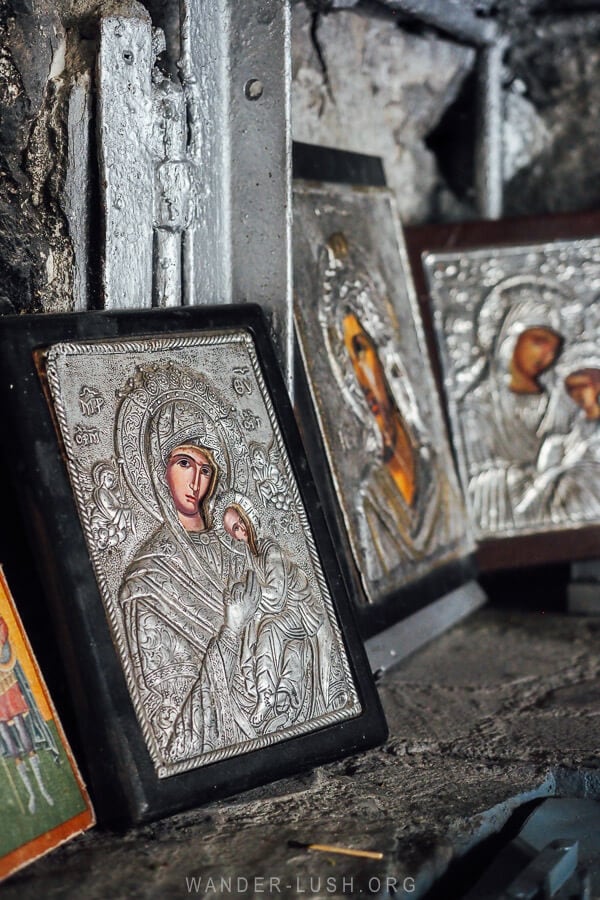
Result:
pixel 227 498
pixel 100 468
pixel 585 355
pixel 543 294
pixel 166 404
pixel 562 412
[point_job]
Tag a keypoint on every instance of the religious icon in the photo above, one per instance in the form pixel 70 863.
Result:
pixel 228 639
pixel 187 559
pixel 42 799
pixel 518 335
pixel 368 373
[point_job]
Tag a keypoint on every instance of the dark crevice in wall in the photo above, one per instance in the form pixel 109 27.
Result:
pixel 452 141
pixel 318 48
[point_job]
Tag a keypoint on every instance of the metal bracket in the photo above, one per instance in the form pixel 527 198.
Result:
pixel 583 591
pixel 388 648
pixel 126 164
pixel 489 152
pixel 451 17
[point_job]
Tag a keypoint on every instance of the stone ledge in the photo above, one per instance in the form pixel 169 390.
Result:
pixel 497 712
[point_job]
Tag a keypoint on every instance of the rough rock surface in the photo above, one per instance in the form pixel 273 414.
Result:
pixel 32 49
pixel 554 67
pixel 379 90
pixel 502 709
pixel 371 86
pixel 359 83
pixel 44 48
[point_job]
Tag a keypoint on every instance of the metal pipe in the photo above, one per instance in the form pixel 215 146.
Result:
pixel 489 176
pixel 452 19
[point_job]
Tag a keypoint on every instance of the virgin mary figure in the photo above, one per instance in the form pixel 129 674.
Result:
pixel 172 592
pixel 399 498
pixel 503 409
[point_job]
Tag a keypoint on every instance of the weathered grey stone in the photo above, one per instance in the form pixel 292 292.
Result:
pixel 373 87
pixel 32 238
pixel 44 49
pixel 382 92
pixel 556 67
pixel 498 711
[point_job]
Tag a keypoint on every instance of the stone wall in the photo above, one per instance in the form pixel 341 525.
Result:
pixel 408 95
pixel 380 90
pixel 376 85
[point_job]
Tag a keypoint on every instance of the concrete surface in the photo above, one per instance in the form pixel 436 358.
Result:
pixel 502 709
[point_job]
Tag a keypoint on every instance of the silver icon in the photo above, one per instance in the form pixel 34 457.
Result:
pixel 518 331
pixel 213 585
pixel 368 370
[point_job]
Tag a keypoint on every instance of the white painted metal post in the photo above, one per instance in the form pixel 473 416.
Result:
pixel 236 71
pixel 126 169
pixel 196 173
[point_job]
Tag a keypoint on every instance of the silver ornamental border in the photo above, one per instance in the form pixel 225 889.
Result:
pixel 353 707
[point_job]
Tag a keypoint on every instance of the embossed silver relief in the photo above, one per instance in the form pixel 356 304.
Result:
pixel 212 586
pixel 269 479
pixel 250 421
pixel 368 371
pixel 110 519
pixel 84 435
pixel 518 329
pixel 240 382
pixel 91 401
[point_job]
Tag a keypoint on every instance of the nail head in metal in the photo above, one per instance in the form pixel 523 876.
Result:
pixel 253 89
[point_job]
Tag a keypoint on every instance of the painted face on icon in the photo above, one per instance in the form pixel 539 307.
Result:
pixel 397 450
pixel 189 475
pixel 583 387
pixel 535 351
pixel 234 525
pixel 368 370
